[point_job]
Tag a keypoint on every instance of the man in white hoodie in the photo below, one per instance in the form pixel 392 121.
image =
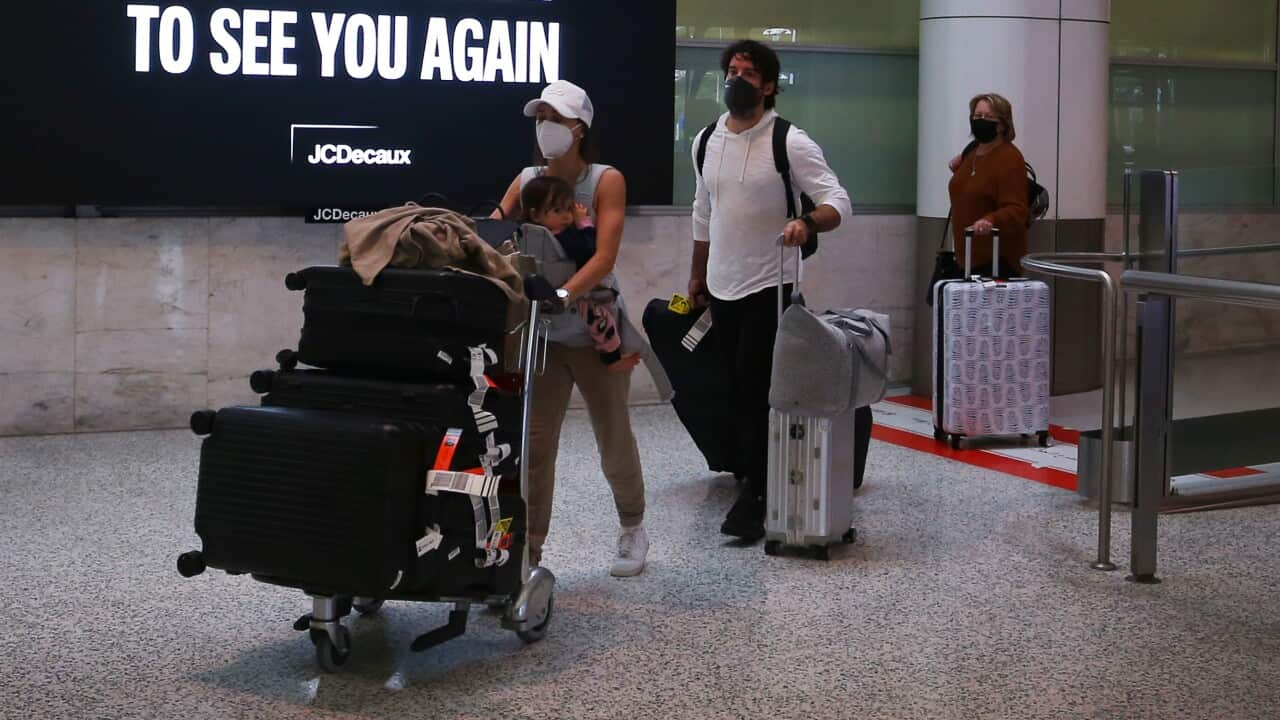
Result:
pixel 740 208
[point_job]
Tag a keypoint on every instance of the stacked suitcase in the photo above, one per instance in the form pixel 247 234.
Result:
pixel 812 471
pixel 393 469
pixel 991 356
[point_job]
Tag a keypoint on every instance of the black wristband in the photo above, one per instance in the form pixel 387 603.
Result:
pixel 809 222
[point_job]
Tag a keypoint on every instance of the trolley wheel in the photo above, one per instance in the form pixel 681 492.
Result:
pixel 328 657
pixel 772 547
pixel 850 537
pixel 367 605
pixel 1043 438
pixel 539 631
pixel 939 434
pixel 955 442
pixel 822 552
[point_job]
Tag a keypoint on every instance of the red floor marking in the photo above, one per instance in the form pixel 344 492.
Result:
pixel 1017 468
pixel 914 401
pixel 1061 434
pixel 1234 473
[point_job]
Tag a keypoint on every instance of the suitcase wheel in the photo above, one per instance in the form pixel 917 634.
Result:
pixel 287 359
pixel 329 657
pixel 955 441
pixel 772 547
pixel 191 564
pixel 939 434
pixel 1043 438
pixel 295 281
pixel 202 422
pixel 261 380
pixel 821 552
pixel 850 537
pixel 367 605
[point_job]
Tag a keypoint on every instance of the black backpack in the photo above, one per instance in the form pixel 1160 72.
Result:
pixel 783 164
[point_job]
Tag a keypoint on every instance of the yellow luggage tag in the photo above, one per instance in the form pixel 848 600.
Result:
pixel 680 305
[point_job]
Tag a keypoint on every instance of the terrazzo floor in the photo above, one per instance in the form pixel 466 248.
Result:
pixel 967 596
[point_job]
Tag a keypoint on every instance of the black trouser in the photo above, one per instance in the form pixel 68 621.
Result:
pixel 746 330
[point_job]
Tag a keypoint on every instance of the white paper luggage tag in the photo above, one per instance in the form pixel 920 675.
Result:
pixel 430 541
pixel 462 483
pixel 697 332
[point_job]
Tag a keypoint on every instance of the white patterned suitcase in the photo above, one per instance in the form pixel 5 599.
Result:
pixel 991 356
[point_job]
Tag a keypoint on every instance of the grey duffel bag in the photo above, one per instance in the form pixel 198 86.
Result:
pixel 825 364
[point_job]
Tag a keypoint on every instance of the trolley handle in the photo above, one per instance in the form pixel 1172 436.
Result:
pixel 796 296
pixel 995 252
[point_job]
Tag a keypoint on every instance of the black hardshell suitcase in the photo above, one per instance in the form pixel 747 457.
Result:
pixel 703 399
pixel 423 322
pixel 335 503
pixel 441 406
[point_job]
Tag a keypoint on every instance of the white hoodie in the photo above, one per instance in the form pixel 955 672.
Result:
pixel 740 203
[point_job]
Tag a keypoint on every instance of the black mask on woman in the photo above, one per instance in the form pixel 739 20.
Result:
pixel 984 131
pixel 740 96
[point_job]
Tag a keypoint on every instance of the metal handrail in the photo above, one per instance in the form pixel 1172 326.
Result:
pixel 1232 292
pixel 1230 250
pixel 1053 264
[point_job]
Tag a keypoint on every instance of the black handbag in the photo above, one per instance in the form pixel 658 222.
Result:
pixel 945 266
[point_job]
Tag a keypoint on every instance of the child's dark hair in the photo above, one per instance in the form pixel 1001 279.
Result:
pixel 544 192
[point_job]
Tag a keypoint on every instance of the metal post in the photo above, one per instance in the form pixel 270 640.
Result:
pixel 1154 421
pixel 1122 356
pixel 530 353
pixel 1103 561
pixel 1038 263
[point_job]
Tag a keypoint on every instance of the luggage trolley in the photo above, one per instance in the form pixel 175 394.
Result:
pixel 527 610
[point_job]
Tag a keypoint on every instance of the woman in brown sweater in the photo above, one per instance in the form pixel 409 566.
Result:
pixel 989 188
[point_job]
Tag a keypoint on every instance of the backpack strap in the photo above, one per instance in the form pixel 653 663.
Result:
pixel 702 145
pixel 781 127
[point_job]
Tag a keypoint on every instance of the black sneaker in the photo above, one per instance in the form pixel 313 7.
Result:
pixel 746 518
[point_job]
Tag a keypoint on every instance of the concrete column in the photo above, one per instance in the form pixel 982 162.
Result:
pixel 1050 58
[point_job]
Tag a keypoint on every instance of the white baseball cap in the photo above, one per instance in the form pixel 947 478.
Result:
pixel 568 99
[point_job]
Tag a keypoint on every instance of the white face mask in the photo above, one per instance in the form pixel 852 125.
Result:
pixel 554 139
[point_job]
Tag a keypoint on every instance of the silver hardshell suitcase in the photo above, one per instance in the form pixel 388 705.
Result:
pixel 809 497
pixel 991 353
pixel 810 493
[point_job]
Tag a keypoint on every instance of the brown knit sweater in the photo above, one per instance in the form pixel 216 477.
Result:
pixel 994 187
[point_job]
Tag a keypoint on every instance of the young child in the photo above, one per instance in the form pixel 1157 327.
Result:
pixel 549 201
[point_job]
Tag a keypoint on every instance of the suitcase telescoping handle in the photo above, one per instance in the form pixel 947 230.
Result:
pixel 796 297
pixel 968 253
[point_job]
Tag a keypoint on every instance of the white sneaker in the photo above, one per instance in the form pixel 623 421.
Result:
pixel 633 546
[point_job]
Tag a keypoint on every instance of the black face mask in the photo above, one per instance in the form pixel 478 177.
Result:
pixel 984 131
pixel 740 96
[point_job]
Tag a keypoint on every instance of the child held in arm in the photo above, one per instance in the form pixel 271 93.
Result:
pixel 549 201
